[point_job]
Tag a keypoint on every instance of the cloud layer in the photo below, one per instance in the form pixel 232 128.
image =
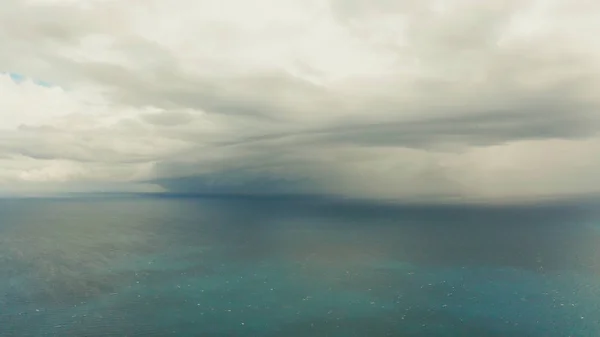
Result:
pixel 408 100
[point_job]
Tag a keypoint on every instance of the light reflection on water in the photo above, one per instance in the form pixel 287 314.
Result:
pixel 269 268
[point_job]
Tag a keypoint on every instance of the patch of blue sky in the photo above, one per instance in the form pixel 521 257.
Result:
pixel 19 78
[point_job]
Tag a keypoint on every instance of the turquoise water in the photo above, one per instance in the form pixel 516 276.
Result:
pixel 235 267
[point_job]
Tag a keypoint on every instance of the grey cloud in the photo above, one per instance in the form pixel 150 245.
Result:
pixel 544 111
pixel 271 130
pixel 168 118
pixel 544 120
pixel 46 143
pixel 272 96
pixel 161 82
pixel 462 27
pixel 43 23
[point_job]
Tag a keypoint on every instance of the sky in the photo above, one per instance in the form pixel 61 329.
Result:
pixel 446 100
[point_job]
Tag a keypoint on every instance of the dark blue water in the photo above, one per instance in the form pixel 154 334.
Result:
pixel 241 267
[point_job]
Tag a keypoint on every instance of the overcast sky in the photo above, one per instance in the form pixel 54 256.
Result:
pixel 396 99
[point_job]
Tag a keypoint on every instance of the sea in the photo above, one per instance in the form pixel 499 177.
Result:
pixel 252 266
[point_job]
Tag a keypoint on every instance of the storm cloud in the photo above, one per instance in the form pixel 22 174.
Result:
pixel 452 100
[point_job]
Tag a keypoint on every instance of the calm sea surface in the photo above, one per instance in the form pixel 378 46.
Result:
pixel 241 267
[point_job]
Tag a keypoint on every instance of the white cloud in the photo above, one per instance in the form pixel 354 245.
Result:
pixel 460 99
